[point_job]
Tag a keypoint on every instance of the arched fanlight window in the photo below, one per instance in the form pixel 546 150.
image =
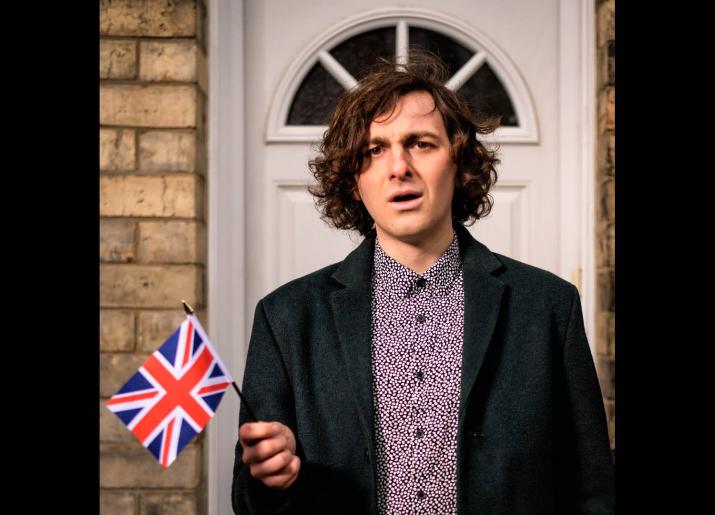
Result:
pixel 333 63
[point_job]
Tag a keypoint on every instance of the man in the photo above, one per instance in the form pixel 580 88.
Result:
pixel 424 373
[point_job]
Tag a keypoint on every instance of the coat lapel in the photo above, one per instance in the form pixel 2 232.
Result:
pixel 482 302
pixel 352 311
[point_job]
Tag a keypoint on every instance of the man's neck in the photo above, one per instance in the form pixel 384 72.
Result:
pixel 418 256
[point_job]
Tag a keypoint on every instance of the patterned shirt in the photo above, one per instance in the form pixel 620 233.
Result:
pixel 418 330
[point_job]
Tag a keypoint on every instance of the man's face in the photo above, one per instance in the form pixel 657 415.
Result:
pixel 408 181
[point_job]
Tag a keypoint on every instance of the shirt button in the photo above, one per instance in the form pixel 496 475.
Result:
pixel 420 494
pixel 419 432
pixel 421 282
pixel 419 375
pixel 421 319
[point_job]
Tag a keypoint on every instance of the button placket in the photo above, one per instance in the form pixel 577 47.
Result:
pixel 425 318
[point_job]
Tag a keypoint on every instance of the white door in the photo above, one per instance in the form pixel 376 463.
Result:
pixel 538 52
pixel 517 40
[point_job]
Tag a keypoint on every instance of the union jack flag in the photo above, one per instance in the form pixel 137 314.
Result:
pixel 174 394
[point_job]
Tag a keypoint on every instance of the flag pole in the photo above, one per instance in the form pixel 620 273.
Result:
pixel 190 311
pixel 244 402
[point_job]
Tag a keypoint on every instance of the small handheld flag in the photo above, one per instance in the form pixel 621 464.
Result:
pixel 174 394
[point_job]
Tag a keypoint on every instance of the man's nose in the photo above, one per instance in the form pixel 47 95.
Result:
pixel 400 166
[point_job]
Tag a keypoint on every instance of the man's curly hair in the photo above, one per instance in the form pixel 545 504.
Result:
pixel 342 152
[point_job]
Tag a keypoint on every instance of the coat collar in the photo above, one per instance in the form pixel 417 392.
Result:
pixel 352 307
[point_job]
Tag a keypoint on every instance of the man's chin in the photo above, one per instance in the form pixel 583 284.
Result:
pixel 411 234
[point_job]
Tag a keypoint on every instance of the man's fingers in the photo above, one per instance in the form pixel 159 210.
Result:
pixel 258 430
pixel 286 477
pixel 275 465
pixel 269 451
pixel 264 449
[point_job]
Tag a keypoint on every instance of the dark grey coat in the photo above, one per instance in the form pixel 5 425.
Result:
pixel 532 435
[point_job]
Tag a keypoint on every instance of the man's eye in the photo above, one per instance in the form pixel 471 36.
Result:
pixel 422 144
pixel 374 151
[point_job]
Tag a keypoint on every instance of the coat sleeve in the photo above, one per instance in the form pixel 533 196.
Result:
pixel 267 388
pixel 584 472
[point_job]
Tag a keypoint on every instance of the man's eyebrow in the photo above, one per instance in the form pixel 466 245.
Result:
pixel 377 141
pixel 421 134
pixel 411 136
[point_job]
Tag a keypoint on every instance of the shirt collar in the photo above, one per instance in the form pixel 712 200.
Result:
pixel 392 276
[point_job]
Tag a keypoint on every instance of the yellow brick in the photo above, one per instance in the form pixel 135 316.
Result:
pixel 167 151
pixel 152 105
pixel 600 245
pixel 606 154
pixel 164 18
pixel 154 327
pixel 605 333
pixel 611 156
pixel 607 205
pixel 607 109
pixel 168 60
pixel 133 466
pixel 606 287
pixel 170 196
pixel 609 199
pixel 605 246
pixel 202 24
pixel 116 503
pixel 201 136
pixel 116 330
pixel 117 59
pixel 115 369
pixel 606 65
pixel 150 286
pixel 606 22
pixel 116 149
pixel 601 67
pixel 605 366
pixel 601 333
pixel 201 158
pixel 111 428
pixel 612 335
pixel 169 503
pixel 116 241
pixel 170 242
pixel 202 71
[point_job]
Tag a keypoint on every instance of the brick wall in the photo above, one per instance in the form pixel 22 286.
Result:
pixel 605 203
pixel 152 138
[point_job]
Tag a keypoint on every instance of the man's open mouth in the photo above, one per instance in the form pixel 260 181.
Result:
pixel 405 197
pixel 402 198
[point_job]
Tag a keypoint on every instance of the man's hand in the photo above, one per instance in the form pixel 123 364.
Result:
pixel 269 452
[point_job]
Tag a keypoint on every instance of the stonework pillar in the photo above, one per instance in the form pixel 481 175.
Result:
pixel 153 88
pixel 605 207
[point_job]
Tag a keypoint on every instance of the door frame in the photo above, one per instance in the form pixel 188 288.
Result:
pixel 227 310
pixel 226 231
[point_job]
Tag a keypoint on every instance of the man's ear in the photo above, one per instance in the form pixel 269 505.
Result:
pixel 356 195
